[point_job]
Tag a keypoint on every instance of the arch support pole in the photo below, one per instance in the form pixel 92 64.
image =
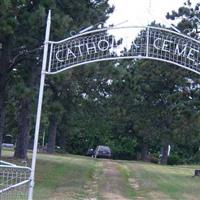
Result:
pixel 39 108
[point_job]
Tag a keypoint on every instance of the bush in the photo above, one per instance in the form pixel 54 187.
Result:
pixel 195 159
pixel 123 155
pixel 174 159
pixel 123 148
pixel 153 158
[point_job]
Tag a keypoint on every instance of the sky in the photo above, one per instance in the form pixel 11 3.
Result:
pixel 142 12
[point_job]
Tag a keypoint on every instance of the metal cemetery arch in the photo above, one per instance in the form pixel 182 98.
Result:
pixel 124 43
pixel 110 44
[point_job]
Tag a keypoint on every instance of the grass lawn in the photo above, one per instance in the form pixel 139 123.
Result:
pixel 68 177
pixel 155 182
pixel 61 177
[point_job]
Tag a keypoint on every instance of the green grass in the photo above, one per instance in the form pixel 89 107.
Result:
pixel 69 177
pixel 61 177
pixel 165 182
pixel 127 189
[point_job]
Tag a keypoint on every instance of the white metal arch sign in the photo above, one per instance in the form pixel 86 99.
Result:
pixel 111 44
pixel 125 43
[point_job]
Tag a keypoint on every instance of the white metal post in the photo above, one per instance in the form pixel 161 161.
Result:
pixel 39 108
pixel 147 47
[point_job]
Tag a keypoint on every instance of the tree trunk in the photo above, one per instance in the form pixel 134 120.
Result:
pixel 62 140
pixel 24 128
pixel 2 117
pixel 164 157
pixel 145 148
pixel 52 134
pixel 4 77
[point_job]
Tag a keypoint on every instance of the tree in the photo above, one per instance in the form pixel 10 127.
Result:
pixel 24 21
pixel 87 13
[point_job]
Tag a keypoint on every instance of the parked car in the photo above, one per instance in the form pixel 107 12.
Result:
pixel 102 152
pixel 90 152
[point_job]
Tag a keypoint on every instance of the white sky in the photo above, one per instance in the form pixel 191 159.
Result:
pixel 142 12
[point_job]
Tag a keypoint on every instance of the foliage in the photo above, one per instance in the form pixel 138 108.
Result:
pixel 174 159
pixel 135 107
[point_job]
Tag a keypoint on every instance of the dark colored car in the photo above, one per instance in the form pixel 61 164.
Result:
pixel 102 152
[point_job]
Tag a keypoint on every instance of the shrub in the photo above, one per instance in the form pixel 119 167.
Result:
pixel 174 159
pixel 153 158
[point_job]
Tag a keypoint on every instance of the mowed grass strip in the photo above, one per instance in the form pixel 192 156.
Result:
pixel 158 182
pixel 128 188
pixel 63 177
pixel 113 182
